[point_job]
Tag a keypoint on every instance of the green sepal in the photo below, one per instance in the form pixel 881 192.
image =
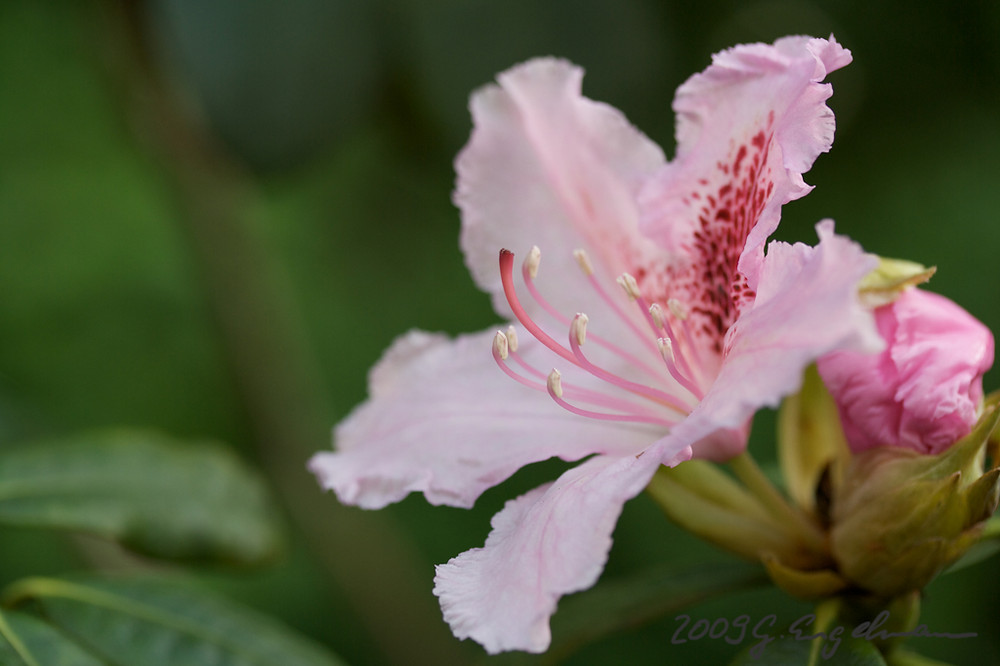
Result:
pixel 811 442
pixel 802 584
pixel 902 517
pixel 705 501
pixel 892 276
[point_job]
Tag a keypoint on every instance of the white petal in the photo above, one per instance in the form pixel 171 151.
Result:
pixel 444 420
pixel 807 306
pixel 546 166
pixel 549 542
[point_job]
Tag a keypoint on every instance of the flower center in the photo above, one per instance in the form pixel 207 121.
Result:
pixel 666 353
pixel 722 208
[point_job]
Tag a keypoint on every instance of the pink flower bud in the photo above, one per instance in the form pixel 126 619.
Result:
pixel 923 392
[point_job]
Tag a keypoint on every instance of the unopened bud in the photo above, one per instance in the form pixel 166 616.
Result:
pixel 901 517
pixel 924 391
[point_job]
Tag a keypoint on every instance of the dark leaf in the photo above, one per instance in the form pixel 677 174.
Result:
pixel 163 623
pixel 154 494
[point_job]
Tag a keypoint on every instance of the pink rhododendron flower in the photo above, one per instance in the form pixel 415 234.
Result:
pixel 707 331
pixel 922 392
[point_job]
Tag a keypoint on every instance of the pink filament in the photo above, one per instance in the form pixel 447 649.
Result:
pixel 678 373
pixel 571 390
pixel 576 357
pixel 507 278
pixel 636 418
pixel 533 290
pixel 618 311
pixel 653 394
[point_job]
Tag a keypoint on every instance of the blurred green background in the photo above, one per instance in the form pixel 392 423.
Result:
pixel 214 216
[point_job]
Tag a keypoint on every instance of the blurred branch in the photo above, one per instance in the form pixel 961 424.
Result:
pixel 365 555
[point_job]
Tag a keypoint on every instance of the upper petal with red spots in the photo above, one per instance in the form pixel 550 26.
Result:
pixel 747 128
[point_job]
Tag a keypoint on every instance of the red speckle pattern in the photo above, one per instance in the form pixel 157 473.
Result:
pixel 725 208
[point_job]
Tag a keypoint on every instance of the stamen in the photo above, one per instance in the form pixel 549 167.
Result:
pixel 525 365
pixel 554 387
pixel 610 302
pixel 677 309
pixel 573 391
pixel 681 313
pixel 656 312
pixel 666 399
pixel 659 320
pixel 501 348
pixel 529 271
pixel 505 346
pixel 667 352
pixel 666 348
pixel 507 278
pixel 512 338
pixel 531 262
pixel 584 260
pixel 500 345
pixel 630 286
pixel 554 384
pixel 579 328
pixel 653 313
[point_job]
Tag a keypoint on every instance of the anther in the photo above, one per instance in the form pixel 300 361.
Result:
pixel 507 279
pixel 656 312
pixel 531 262
pixel 677 309
pixel 630 286
pixel 578 329
pixel 584 261
pixel 501 346
pixel 554 383
pixel 512 338
pixel 666 349
pixel 667 352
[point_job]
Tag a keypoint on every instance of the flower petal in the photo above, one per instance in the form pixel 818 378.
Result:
pixel 747 128
pixel 546 543
pixel 807 305
pixel 442 419
pixel 924 390
pixel 546 166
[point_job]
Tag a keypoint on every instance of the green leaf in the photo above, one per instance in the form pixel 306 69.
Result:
pixel 619 605
pixel 156 495
pixel 25 640
pixel 163 623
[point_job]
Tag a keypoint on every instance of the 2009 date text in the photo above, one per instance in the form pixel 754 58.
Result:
pixel 738 629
